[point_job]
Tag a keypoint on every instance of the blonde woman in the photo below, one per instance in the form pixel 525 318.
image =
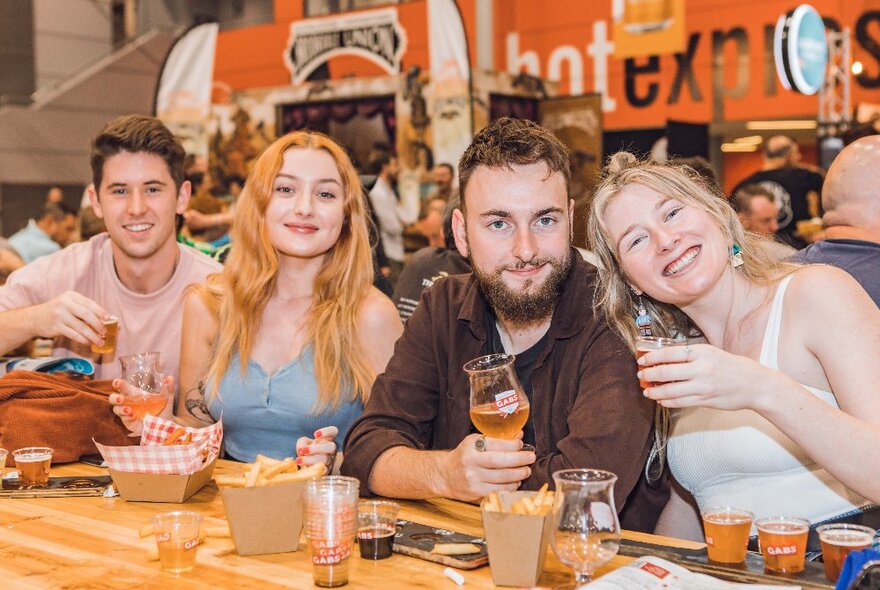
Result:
pixel 285 343
pixel 776 411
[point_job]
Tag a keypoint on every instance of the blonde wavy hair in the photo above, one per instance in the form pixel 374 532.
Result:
pixel 614 297
pixel 239 294
pixel 616 301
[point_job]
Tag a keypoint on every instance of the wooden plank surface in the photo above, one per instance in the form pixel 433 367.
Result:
pixel 92 544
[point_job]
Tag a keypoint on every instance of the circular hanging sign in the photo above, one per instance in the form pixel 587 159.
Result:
pixel 800 50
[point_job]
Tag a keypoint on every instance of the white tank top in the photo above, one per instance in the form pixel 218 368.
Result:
pixel 740 459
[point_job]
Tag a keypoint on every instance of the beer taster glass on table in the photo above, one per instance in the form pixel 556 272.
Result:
pixel 499 407
pixel 177 537
pixel 142 371
pixel 33 465
pixel 783 543
pixel 838 541
pixel 586 532
pixel 377 525
pixel 727 533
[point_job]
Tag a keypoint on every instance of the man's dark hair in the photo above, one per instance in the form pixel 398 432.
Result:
pixel 451 205
pixel 137 133
pixel 508 142
pixel 56 211
pixel 741 201
pixel 448 166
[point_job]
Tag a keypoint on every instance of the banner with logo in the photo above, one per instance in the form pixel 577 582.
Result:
pixel 647 27
pixel 183 97
pixel 375 35
pixel 450 82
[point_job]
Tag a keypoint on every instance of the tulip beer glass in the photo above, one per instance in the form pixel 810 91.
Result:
pixel 586 532
pixel 142 371
pixel 783 543
pixel 499 408
pixel 727 533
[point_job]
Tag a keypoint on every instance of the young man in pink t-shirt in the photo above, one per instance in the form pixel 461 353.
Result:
pixel 136 271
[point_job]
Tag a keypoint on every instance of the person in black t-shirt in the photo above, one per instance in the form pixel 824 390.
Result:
pixel 795 187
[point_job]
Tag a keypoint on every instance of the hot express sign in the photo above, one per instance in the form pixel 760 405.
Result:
pixel 375 35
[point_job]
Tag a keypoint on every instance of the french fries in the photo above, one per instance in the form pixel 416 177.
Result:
pixel 178 436
pixel 538 505
pixel 455 549
pixel 266 471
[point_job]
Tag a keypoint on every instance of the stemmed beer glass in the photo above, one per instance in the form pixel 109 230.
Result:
pixel 499 407
pixel 586 531
pixel 142 372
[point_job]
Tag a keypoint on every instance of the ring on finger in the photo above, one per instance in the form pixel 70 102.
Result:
pixel 480 444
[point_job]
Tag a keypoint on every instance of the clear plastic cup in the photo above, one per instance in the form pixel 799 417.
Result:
pixel 33 465
pixel 838 541
pixel 331 523
pixel 177 536
pixel 377 525
pixel 783 543
pixel 727 533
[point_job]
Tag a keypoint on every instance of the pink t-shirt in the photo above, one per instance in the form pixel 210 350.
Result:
pixel 147 323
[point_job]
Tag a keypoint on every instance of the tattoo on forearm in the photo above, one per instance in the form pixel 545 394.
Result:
pixel 196 405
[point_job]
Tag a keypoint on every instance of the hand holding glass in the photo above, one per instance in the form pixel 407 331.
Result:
pixel 586 531
pixel 142 372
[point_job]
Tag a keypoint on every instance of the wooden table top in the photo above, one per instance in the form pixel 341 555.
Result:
pixel 91 543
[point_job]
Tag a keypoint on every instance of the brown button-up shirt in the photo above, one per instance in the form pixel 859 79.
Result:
pixel 586 405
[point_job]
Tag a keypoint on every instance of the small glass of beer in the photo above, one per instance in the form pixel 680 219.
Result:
pixel 838 541
pixel 33 465
pixel 177 535
pixel 142 371
pixel 499 407
pixel 783 543
pixel 645 344
pixel 377 525
pixel 111 325
pixel 727 533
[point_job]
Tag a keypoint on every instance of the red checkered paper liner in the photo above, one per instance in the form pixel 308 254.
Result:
pixel 155 458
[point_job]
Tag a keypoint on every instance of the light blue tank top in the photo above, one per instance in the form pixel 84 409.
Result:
pixel 265 414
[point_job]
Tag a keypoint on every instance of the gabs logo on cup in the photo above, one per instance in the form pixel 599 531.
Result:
pixel 782 549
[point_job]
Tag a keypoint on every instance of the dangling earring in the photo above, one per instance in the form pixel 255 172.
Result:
pixel 736 257
pixel 643 320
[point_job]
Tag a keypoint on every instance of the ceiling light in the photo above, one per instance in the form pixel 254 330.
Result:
pixel 857 68
pixel 749 140
pixel 780 125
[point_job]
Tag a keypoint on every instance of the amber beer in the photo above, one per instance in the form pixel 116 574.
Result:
pixel 330 561
pixel 177 556
pixel 646 344
pixel 838 541
pixel 141 405
pixel 33 465
pixel 492 422
pixel 727 534
pixel 111 325
pixel 643 16
pixel 783 543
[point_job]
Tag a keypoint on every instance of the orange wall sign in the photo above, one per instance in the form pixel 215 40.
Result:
pixel 725 70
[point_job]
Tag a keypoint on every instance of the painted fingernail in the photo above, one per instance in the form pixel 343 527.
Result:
pixel 639 374
pixel 126 411
pixel 317 434
pixel 299 461
pixel 641 361
pixel 305 451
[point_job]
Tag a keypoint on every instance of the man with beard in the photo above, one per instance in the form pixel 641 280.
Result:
pixel 530 295
pixel 136 272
